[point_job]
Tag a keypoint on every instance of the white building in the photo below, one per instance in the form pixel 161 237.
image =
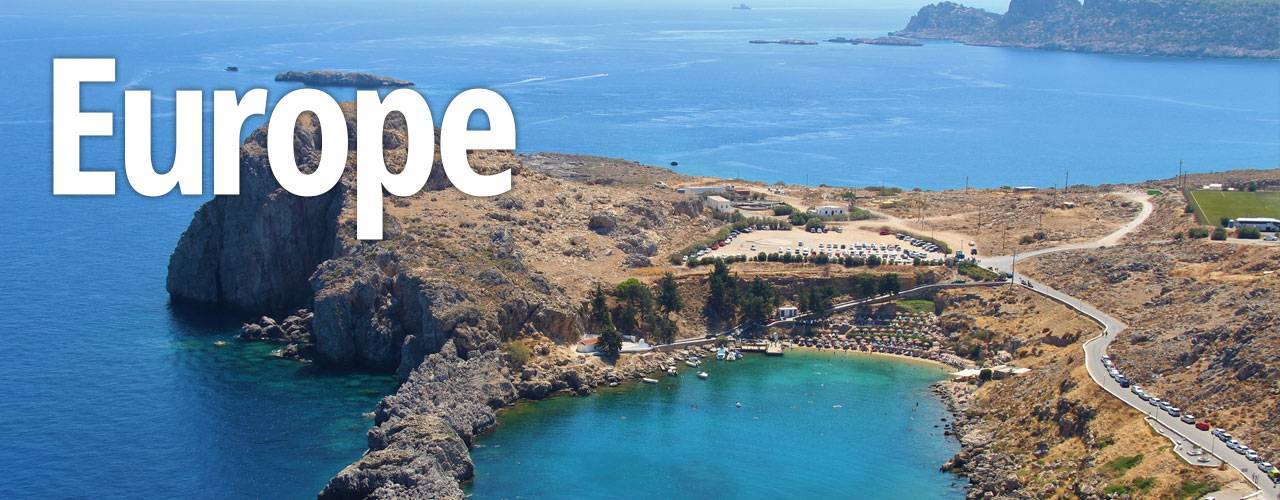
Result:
pixel 831 210
pixel 701 189
pixel 719 204
pixel 785 312
pixel 1262 223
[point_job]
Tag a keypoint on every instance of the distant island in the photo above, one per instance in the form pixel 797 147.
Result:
pixel 884 40
pixel 788 41
pixel 341 79
pixel 741 6
pixel 1194 28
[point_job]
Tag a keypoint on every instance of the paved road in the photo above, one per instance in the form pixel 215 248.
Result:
pixel 1095 348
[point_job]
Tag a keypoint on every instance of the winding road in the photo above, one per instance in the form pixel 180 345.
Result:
pixel 1096 348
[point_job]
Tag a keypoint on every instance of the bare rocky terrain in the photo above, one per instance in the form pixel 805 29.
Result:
pixel 1051 432
pixel 1204 325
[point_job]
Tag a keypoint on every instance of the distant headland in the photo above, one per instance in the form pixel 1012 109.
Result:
pixel 1224 28
pixel 341 79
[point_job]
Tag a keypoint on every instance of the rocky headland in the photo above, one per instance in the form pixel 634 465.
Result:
pixel 456 280
pixel 1195 28
pixel 341 79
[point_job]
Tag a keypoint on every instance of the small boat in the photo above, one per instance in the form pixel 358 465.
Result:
pixel 648 380
pixel 738 404
pixel 220 343
pixel 690 364
pixel 703 375
pixel 233 69
pixel 720 353
pixel 671 370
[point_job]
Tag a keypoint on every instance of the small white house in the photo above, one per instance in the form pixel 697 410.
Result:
pixel 785 312
pixel 830 210
pixel 1263 224
pixel 719 204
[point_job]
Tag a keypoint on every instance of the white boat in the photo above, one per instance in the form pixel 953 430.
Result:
pixel 691 363
pixel 720 354
pixel 648 380
pixel 703 375
pixel 671 370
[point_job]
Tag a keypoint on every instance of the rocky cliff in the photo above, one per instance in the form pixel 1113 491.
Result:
pixel 1219 28
pixel 454 279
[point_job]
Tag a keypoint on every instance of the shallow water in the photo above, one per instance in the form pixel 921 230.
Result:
pixel 811 425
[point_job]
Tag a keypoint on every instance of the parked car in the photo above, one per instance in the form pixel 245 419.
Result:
pixel 1173 411
pixel 1265 466
pixel 1202 425
pixel 1189 419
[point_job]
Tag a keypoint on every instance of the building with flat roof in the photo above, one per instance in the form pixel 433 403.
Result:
pixel 1265 224
pixel 701 189
pixel 785 312
pixel 719 204
pixel 830 210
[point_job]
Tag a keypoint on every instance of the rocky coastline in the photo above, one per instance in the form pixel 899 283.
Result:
pixel 1188 28
pixel 990 473
pixel 328 78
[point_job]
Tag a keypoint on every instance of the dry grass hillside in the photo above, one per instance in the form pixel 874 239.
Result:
pixel 1053 433
pixel 1204 325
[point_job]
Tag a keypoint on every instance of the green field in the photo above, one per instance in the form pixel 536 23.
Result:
pixel 1212 206
pixel 916 305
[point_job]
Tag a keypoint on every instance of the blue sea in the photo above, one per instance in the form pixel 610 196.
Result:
pixel 810 425
pixel 105 391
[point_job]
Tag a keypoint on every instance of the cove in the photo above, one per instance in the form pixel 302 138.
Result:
pixel 811 424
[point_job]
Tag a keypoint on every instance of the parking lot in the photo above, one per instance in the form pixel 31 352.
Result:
pixel 848 241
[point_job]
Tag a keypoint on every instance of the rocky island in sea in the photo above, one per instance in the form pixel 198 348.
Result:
pixel 883 40
pixel 1196 28
pixel 341 79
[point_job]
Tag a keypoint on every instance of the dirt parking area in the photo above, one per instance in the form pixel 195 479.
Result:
pixel 851 241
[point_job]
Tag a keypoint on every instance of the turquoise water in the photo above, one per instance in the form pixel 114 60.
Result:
pixel 106 392
pixel 811 425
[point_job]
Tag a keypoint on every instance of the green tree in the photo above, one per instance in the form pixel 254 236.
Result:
pixel 1219 234
pixel 669 294
pixel 888 283
pixel 599 309
pixel 664 329
pixel 757 301
pixel 873 261
pixel 1249 233
pixel 610 340
pixel 722 294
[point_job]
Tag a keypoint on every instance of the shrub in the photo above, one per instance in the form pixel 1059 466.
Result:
pixel 1196 233
pixel 1189 209
pixel 1178 236
pixel 1219 234
pixel 517 352
pixel 1119 465
pixel 1224 222
pixel 1248 233
pixel 783 209
pixel 984 375
pixel 1026 239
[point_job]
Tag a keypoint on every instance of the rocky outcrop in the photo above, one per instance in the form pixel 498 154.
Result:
pixel 1231 28
pixel 256 251
pixel 418 449
pixel 341 79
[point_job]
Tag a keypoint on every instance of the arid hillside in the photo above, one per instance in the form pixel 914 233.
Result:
pixel 1052 432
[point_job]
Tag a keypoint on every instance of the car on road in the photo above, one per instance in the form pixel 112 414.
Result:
pixel 1173 411
pixel 1224 436
pixel 1188 419
pixel 1265 466
pixel 1252 456
pixel 1202 425
pixel 1124 382
pixel 1271 238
